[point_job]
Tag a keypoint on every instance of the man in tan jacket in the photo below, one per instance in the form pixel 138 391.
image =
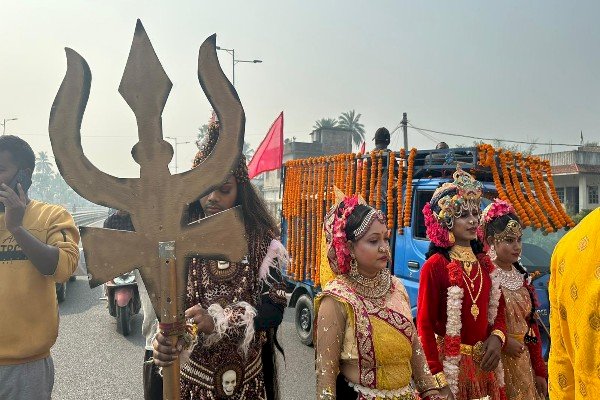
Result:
pixel 38 247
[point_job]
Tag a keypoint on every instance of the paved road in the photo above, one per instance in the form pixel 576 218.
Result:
pixel 94 362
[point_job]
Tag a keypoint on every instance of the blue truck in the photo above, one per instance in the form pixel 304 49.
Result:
pixel 313 180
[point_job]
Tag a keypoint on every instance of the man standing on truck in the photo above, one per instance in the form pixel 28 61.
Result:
pixel 460 318
pixel 39 247
pixel 574 290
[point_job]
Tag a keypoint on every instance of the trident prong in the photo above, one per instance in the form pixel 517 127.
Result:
pixel 156 200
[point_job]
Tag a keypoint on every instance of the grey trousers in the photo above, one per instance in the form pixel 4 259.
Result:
pixel 30 381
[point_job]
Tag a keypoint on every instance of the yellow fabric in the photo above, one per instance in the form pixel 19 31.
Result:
pixel 574 289
pixel 393 353
pixel 325 272
pixel 28 307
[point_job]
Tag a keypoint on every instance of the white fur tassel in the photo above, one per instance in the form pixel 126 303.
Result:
pixel 276 256
pixel 222 320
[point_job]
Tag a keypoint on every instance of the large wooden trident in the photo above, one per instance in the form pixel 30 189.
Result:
pixel 157 200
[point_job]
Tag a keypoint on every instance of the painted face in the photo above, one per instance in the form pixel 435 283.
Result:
pixel 368 252
pixel 229 381
pixel 465 226
pixel 508 250
pixel 221 199
pixel 8 168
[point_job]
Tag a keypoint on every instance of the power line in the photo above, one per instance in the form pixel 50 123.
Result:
pixel 501 140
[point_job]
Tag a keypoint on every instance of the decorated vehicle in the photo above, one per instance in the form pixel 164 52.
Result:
pixel 400 184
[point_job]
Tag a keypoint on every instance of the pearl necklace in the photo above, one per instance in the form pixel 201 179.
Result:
pixel 511 279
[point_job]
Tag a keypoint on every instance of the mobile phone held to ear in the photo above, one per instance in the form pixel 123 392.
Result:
pixel 21 177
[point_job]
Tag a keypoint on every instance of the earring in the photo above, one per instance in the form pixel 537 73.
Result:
pixel 451 238
pixel 492 252
pixel 353 266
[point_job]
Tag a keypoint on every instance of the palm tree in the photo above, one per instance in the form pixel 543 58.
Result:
pixel 247 151
pixel 43 164
pixel 349 121
pixel 325 123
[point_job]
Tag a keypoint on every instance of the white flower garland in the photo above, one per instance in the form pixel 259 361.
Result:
pixel 495 294
pixel 453 328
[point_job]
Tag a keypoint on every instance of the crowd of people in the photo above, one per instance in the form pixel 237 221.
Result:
pixel 475 334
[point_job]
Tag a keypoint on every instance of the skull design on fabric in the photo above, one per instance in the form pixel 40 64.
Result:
pixel 229 381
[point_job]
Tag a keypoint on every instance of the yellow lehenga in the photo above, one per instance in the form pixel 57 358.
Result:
pixel 519 376
pixel 374 346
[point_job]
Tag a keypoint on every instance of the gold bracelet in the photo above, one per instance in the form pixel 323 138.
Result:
pixel 500 335
pixel 440 380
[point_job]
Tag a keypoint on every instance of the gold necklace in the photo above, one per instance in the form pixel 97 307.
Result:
pixel 371 288
pixel 472 281
pixel 474 307
pixel 465 255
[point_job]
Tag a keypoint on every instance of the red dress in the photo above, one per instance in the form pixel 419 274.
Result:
pixel 432 318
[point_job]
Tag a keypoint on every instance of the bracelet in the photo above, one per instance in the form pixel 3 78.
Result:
pixel 440 380
pixel 500 336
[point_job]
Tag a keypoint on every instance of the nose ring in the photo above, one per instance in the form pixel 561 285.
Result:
pixel 381 249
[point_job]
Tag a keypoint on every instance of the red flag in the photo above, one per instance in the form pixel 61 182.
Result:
pixel 362 147
pixel 269 155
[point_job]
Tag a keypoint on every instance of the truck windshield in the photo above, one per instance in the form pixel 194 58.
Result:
pixel 537 247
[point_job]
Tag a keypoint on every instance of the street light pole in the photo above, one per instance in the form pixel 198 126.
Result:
pixel 4 121
pixel 232 52
pixel 176 145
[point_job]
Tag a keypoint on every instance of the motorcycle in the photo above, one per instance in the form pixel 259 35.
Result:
pixel 123 300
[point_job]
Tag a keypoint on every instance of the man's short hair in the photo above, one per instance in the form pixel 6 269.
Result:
pixel 382 136
pixel 21 152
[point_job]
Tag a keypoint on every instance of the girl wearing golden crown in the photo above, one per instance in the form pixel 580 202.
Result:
pixel 460 315
pixel 366 344
pixel 525 373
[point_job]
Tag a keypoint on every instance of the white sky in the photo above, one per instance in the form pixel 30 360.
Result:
pixel 516 70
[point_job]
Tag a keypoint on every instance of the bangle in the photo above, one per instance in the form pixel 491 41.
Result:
pixel 500 335
pixel 440 380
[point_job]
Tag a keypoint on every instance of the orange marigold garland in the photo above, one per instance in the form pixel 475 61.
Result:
pixel 567 219
pixel 557 215
pixel 539 190
pixel 409 177
pixel 491 162
pixel 365 176
pixel 352 178
pixel 536 223
pixel 520 207
pixel 359 168
pixel 373 180
pixel 390 190
pixel 551 208
pixel 379 175
pixel 512 196
pixel 399 192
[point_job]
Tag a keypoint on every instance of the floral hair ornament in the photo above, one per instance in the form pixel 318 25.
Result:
pixel 499 208
pixel 338 251
pixel 241 169
pixel 449 201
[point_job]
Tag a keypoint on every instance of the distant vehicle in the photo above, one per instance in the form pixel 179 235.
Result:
pixel 123 300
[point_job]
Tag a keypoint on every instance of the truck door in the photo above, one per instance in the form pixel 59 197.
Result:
pixel 412 246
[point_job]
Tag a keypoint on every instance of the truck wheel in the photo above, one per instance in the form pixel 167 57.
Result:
pixel 124 320
pixel 61 291
pixel 304 319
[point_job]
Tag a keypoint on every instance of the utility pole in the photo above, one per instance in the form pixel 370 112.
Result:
pixel 176 145
pixel 4 121
pixel 404 124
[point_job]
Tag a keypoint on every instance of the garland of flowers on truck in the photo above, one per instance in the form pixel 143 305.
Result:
pixel 524 181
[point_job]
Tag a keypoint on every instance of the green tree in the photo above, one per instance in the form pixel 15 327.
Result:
pixel 202 132
pixel 42 163
pixel 325 123
pixel 247 151
pixel 349 120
